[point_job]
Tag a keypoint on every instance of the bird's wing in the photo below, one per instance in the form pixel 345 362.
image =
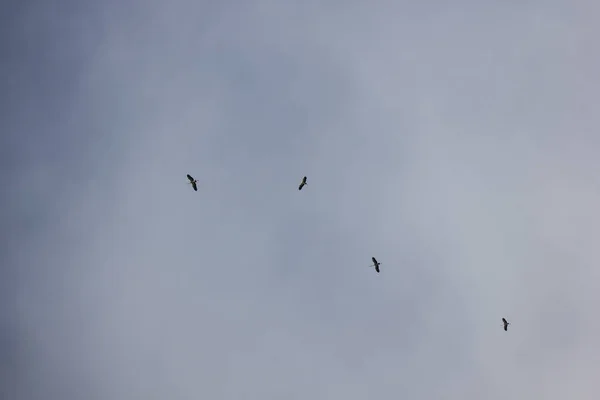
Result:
pixel 190 178
pixel 506 328
pixel 194 186
pixel 376 267
pixel 304 180
pixel 504 320
pixel 301 186
pixel 374 260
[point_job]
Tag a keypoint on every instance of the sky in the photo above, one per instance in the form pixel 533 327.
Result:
pixel 457 142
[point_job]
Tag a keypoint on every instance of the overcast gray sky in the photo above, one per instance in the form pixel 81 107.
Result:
pixel 455 141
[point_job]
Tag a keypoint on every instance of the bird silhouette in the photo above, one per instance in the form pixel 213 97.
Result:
pixel 302 184
pixel 193 182
pixel 375 264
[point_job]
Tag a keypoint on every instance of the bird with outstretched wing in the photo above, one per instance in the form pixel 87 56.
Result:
pixel 193 182
pixel 375 264
pixel 302 184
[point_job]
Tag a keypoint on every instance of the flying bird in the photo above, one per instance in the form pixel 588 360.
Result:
pixel 193 182
pixel 375 264
pixel 302 184
pixel 506 324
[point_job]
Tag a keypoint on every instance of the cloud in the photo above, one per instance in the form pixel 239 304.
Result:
pixel 455 144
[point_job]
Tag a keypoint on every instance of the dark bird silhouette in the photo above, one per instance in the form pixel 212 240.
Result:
pixel 375 264
pixel 193 182
pixel 302 184
pixel 506 324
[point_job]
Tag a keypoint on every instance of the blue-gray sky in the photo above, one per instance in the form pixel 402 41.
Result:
pixel 458 143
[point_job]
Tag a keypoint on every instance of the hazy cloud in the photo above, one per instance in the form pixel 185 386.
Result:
pixel 456 143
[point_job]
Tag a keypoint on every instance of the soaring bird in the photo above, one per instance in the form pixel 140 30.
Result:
pixel 506 324
pixel 375 264
pixel 302 184
pixel 193 182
